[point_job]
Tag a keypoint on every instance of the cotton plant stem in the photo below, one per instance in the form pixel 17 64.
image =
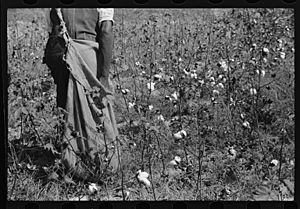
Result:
pixel 143 147
pixel 152 180
pixel 13 187
pixel 281 153
pixel 199 179
pixel 122 173
pixel 34 128
pixel 161 152
pixel 280 159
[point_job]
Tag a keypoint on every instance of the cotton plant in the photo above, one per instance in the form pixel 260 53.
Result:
pixel 186 72
pixel 215 92
pixel 193 74
pixel 201 82
pixel 131 105
pixel 262 73
pixel 176 161
pixel 253 91
pixel 246 124
pixel 93 188
pixel 282 55
pixel 220 85
pixel 142 177
pixel 173 169
pixel 232 153
pixel 168 98
pixel 150 86
pixel 266 50
pixel 180 134
pixel 160 118
pixel 125 91
pixel 175 95
pixel 223 65
pixel 274 163
pixel 157 77
pixel 150 107
pixel 242 116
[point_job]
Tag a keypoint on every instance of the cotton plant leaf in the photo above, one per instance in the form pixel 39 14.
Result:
pixel 264 193
pixel 51 148
pixel 289 185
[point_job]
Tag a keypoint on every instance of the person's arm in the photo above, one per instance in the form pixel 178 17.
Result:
pixel 106 39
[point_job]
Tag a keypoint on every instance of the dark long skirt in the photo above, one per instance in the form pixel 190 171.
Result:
pixel 90 130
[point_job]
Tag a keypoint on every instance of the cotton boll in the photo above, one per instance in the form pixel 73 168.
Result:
pixel 261 73
pixel 223 65
pixel 178 135
pixel 282 55
pixel 150 86
pixel 125 91
pixel 161 118
pixel 201 82
pixel 186 72
pixel 194 75
pixel 266 50
pixel 142 178
pixel 142 174
pixel 183 133
pixel 131 105
pixel 220 85
pixel 246 124
pixel 274 162
pixel 175 95
pixel 157 77
pixel 232 153
pixel 242 116
pixel 145 181
pixel 177 159
pixel 93 188
pixel 215 92
pixel 150 107
pixel 173 162
pixel 168 98
pixel 253 91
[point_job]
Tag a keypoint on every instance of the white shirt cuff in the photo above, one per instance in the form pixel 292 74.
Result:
pixel 105 14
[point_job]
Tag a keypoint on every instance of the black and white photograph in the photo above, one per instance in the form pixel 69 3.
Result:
pixel 150 104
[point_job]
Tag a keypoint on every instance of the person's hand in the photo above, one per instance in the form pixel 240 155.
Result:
pixel 105 81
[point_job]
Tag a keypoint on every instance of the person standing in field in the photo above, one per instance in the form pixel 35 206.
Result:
pixel 78 53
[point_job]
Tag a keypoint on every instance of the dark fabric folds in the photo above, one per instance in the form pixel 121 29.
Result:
pixel 91 130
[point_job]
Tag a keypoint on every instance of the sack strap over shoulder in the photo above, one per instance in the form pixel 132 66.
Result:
pixel 63 28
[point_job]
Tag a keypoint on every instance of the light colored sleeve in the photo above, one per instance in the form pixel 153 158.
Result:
pixel 105 14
